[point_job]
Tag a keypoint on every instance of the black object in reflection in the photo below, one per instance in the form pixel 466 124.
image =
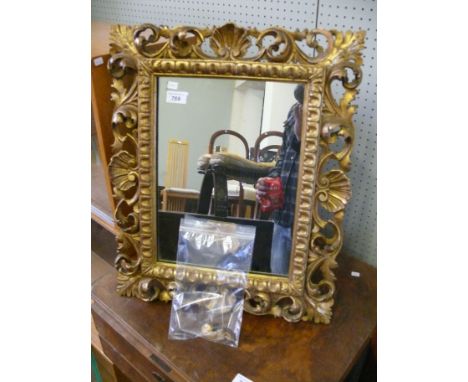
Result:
pixel 168 235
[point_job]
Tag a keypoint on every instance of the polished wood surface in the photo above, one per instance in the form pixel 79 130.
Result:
pixel 102 201
pixel 99 268
pixel 269 349
pixel 101 207
pixel 102 108
pixel 104 364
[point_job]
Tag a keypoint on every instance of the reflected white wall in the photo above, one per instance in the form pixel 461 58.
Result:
pixel 248 107
pixel 279 97
pixel 246 116
pixel 207 110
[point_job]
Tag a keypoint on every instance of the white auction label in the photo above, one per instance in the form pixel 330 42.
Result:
pixel 240 378
pixel 355 274
pixel 172 85
pixel 98 61
pixel 176 97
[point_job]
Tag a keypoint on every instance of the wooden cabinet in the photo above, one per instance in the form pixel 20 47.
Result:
pixel 134 335
pixel 102 203
pixel 101 191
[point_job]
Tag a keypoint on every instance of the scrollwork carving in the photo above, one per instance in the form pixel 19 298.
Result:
pixel 257 302
pixel 148 40
pixel 317 58
pixel 291 308
pixel 280 50
pixel 127 261
pixel 228 42
pixel 333 189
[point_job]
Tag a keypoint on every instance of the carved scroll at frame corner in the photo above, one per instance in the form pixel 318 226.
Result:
pixel 144 287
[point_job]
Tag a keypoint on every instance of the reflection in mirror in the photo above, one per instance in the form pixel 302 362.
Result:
pixel 229 149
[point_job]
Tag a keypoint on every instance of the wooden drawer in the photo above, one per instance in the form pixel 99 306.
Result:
pixel 129 352
pixel 143 369
pixel 131 374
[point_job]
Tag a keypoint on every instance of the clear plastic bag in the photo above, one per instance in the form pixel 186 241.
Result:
pixel 206 310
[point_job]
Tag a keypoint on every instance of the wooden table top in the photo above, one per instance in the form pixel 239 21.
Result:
pixel 270 349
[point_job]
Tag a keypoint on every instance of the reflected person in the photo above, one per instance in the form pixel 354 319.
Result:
pixel 287 170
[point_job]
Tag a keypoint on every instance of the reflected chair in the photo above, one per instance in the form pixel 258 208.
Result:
pixel 259 155
pixel 216 180
pixel 220 167
pixel 268 153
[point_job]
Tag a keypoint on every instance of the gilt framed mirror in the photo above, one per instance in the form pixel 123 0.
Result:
pixel 203 116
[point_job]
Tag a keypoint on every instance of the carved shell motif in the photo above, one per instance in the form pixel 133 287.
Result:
pixel 123 171
pixel 334 190
pixel 230 41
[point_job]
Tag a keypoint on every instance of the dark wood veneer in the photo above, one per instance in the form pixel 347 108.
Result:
pixel 135 335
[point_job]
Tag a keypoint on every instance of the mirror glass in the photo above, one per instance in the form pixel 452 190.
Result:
pixel 229 149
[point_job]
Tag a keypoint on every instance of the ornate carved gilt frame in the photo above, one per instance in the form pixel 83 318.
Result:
pixel 140 54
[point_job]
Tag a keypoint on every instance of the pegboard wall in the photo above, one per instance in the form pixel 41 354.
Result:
pixel 360 225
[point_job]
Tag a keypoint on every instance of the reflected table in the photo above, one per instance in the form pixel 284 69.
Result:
pixel 134 336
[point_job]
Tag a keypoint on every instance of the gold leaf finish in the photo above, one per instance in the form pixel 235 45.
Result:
pixel 316 58
pixel 334 190
pixel 230 42
pixel 123 170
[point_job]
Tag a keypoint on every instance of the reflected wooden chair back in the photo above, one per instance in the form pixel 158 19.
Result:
pixel 218 133
pixel 257 153
pixel 237 206
pixel 258 156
